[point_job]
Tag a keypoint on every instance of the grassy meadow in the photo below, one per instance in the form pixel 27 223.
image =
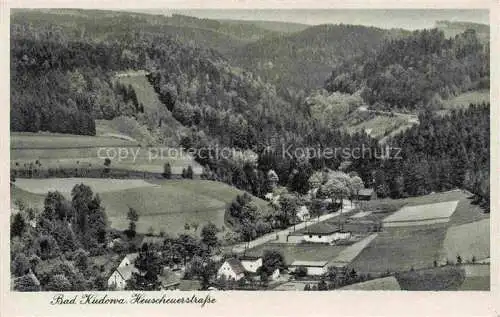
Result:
pixel 165 205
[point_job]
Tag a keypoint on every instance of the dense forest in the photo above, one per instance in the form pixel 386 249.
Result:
pixel 284 59
pixel 440 154
pixel 417 71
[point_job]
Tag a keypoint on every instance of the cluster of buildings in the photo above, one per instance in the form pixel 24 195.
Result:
pixel 237 268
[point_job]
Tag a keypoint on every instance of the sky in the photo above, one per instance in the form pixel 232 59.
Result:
pixel 394 18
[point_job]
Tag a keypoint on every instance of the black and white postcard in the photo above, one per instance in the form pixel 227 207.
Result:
pixel 249 159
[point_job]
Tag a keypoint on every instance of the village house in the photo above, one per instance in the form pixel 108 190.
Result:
pixel 251 263
pixel 231 269
pixel 237 268
pixel 324 233
pixel 314 268
pixel 118 279
pixel 120 276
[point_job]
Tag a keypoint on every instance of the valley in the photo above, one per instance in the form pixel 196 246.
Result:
pixel 146 153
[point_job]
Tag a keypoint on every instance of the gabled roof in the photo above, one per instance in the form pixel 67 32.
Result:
pixel 249 258
pixel 309 263
pixel 236 265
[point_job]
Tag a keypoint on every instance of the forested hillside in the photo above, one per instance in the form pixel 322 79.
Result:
pixel 303 60
pixel 416 72
pixel 64 65
pixel 439 154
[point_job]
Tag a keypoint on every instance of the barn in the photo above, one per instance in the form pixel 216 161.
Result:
pixel 314 268
pixel 325 233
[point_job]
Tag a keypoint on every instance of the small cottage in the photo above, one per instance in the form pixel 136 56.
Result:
pixel 314 268
pixel 251 263
pixel 120 276
pixel 231 269
pixel 325 233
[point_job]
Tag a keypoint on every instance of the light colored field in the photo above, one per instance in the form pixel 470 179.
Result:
pixel 465 212
pixel 389 283
pixel 171 129
pixel 465 99
pixel 468 240
pixel 351 252
pixel 26 140
pixel 163 205
pixel 378 126
pixel 151 159
pixel 422 212
pixel 124 126
pixel 65 185
pixel 172 204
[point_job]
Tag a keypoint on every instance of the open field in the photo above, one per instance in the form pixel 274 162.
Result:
pixel 27 140
pixel 465 99
pixel 465 211
pixel 171 205
pixel 125 127
pixel 422 214
pixel 389 283
pixel 163 205
pixel 399 249
pixel 380 126
pixel 468 240
pixel 65 185
pixel 299 252
pixel 446 278
pixel 351 252
pixel 147 96
pixel 83 155
pixel 27 198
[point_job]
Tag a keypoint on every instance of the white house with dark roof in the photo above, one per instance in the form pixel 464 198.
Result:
pixel 251 263
pixel 120 276
pixel 314 268
pixel 231 269
pixel 118 279
pixel 325 233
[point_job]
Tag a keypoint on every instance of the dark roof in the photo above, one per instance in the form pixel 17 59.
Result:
pixel 236 265
pixel 321 228
pixel 249 258
pixel 366 192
